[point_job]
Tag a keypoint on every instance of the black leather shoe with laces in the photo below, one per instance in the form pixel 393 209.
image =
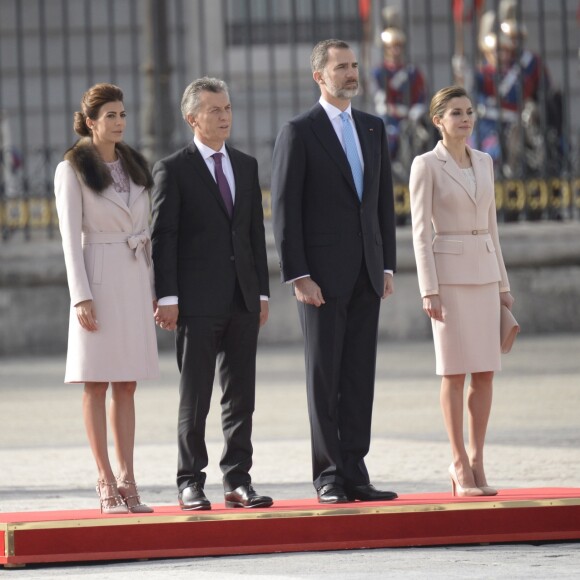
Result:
pixel 245 496
pixel 193 498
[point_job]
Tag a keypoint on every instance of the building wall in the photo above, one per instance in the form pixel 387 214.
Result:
pixel 543 263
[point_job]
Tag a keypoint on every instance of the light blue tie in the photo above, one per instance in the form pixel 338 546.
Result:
pixel 352 153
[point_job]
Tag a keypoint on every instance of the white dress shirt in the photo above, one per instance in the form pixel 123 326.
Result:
pixel 334 116
pixel 207 152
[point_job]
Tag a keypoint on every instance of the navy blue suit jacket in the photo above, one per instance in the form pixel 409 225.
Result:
pixel 320 226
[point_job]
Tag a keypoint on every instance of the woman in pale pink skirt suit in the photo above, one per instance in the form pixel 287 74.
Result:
pixel 462 278
pixel 102 199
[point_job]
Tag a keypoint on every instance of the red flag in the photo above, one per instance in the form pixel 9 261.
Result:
pixel 464 11
pixel 364 9
pixel 458 10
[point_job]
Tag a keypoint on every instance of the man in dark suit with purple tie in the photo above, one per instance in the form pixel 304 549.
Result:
pixel 334 224
pixel 211 281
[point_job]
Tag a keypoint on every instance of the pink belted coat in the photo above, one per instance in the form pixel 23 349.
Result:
pixel 107 251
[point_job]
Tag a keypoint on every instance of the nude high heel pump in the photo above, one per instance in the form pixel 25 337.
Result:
pixel 133 502
pixel 458 490
pixel 487 490
pixel 109 498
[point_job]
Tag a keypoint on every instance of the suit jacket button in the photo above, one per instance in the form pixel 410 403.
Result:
pixel 359 234
pixel 232 258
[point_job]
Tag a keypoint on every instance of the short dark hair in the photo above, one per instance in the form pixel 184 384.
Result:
pixel 191 96
pixel 319 56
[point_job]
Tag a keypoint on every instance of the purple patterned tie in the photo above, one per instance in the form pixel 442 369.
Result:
pixel 223 183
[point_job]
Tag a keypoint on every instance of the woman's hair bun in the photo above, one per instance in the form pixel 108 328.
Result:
pixel 80 124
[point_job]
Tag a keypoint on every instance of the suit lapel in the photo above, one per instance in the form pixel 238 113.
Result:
pixel 134 192
pixel 480 171
pixel 324 131
pixel 237 169
pixel 365 136
pixel 452 169
pixel 113 196
pixel 208 179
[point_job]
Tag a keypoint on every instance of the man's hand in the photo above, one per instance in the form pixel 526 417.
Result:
pixel 166 316
pixel 264 310
pixel 389 287
pixel 308 292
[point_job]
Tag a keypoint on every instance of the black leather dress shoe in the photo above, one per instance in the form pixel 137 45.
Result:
pixel 193 498
pixel 245 496
pixel 368 492
pixel 331 493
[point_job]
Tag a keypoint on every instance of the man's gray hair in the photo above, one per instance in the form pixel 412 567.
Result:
pixel 319 56
pixel 192 94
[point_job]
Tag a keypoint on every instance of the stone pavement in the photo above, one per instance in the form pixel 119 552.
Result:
pixel 533 441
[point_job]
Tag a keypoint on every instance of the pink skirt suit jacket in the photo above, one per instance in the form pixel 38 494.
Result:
pixel 458 255
pixel 107 253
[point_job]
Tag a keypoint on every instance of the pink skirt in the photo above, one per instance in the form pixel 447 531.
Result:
pixel 467 341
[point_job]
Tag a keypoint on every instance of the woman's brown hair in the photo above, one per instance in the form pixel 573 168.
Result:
pixel 441 99
pixel 91 102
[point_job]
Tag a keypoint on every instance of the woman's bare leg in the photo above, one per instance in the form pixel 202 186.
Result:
pixel 451 399
pixel 479 399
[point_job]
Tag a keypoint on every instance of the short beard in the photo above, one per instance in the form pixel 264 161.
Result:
pixel 338 93
pixel 345 93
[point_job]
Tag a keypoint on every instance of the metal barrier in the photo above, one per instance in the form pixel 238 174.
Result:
pixel 51 51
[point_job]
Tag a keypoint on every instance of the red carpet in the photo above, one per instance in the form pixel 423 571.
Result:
pixel 433 519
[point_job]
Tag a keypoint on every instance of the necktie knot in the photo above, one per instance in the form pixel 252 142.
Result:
pixel 217 158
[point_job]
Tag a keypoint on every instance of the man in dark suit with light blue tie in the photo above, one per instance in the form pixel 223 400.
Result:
pixel 334 225
pixel 211 281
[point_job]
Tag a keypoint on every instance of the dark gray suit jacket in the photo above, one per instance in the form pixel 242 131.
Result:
pixel 198 251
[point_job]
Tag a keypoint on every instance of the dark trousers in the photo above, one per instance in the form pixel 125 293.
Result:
pixel 231 340
pixel 340 340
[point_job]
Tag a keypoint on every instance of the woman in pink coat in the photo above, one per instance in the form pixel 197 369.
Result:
pixel 462 278
pixel 102 199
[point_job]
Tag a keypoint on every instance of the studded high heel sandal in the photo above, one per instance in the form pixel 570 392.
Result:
pixel 132 502
pixel 110 499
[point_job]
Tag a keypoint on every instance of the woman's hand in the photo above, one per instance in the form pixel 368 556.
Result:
pixel 432 307
pixel 86 315
pixel 506 299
